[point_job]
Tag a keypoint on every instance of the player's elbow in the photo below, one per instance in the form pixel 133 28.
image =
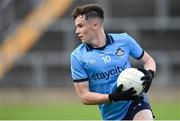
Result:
pixel 85 100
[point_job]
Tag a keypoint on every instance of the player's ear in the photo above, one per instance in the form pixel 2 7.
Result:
pixel 96 24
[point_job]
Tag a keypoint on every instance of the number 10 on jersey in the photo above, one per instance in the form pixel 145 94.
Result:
pixel 106 59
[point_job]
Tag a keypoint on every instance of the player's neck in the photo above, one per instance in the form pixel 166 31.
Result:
pixel 100 40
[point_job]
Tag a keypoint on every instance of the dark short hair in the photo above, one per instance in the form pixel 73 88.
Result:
pixel 89 10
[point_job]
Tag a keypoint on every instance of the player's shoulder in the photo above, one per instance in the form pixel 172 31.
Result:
pixel 78 50
pixel 120 36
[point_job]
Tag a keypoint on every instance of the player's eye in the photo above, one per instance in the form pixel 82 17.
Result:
pixel 80 26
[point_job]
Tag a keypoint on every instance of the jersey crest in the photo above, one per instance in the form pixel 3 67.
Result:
pixel 119 52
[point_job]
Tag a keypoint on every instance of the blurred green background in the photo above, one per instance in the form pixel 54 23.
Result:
pixel 38 36
pixel 75 111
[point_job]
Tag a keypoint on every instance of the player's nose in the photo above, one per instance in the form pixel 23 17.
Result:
pixel 77 32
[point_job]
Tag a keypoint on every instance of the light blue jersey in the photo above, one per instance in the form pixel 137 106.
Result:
pixel 101 67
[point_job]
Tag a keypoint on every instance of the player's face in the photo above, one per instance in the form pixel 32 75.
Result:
pixel 84 29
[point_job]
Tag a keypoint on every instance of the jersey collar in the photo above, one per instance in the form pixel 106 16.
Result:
pixel 109 40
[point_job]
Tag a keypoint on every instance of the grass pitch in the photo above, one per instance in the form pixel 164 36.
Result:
pixel 162 111
pixel 48 112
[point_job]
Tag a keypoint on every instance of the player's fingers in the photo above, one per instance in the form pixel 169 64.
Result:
pixel 144 78
pixel 135 97
pixel 146 82
pixel 131 91
pixel 146 88
pixel 120 87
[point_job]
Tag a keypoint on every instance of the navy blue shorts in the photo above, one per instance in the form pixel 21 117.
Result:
pixel 135 107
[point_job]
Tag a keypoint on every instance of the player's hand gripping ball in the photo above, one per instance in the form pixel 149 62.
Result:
pixel 131 77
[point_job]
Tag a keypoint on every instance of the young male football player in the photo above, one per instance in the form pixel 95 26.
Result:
pixel 97 62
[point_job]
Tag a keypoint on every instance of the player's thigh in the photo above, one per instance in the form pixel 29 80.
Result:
pixel 144 114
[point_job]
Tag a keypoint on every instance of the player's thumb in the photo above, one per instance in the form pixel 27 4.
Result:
pixel 120 87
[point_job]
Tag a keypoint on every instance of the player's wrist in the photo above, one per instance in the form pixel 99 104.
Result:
pixel 149 73
pixel 110 98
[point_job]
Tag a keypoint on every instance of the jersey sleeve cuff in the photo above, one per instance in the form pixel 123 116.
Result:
pixel 81 80
pixel 141 55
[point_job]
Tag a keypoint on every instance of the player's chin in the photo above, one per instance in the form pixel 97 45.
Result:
pixel 83 41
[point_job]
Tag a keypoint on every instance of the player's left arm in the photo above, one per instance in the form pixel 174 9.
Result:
pixel 149 70
pixel 149 63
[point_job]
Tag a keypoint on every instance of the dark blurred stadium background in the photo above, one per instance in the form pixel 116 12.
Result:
pixel 43 72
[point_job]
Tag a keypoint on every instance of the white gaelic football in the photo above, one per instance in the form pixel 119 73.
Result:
pixel 131 77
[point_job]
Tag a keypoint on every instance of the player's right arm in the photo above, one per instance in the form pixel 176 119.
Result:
pixel 92 98
pixel 87 97
pixel 81 82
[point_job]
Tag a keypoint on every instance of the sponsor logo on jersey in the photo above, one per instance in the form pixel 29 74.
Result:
pixel 116 70
pixel 119 52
